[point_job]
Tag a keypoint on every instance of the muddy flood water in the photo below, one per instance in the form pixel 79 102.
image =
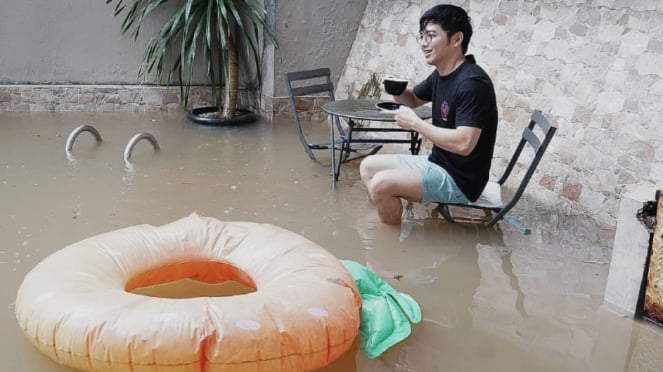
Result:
pixel 492 300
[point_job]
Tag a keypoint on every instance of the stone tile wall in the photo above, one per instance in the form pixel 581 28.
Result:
pixel 123 98
pixel 594 68
pixel 309 108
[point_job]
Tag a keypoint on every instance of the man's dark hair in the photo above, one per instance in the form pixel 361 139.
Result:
pixel 451 19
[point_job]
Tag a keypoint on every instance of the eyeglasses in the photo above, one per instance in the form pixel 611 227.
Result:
pixel 427 38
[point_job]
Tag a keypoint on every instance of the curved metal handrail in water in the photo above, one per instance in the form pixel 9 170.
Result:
pixel 134 140
pixel 78 130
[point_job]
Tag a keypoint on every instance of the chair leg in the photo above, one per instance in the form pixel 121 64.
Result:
pixel 444 211
pixel 343 154
pixel 496 217
pixel 415 143
pixel 310 154
pixel 302 139
pixel 501 215
pixel 375 149
pixel 332 147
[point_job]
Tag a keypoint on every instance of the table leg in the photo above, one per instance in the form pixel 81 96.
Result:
pixel 346 140
pixel 332 146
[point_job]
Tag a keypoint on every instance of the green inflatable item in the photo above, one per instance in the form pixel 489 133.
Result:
pixel 384 311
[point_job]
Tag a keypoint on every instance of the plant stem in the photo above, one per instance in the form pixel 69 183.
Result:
pixel 231 86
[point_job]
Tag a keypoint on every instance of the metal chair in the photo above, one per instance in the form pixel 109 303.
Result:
pixel 308 83
pixel 491 201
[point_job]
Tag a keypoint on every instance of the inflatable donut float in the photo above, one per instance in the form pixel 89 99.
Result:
pixel 77 307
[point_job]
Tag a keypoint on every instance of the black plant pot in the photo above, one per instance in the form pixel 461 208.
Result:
pixel 201 115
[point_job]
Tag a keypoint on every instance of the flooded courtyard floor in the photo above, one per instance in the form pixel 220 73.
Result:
pixel 492 299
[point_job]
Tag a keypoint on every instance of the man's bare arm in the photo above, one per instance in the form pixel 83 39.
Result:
pixel 461 140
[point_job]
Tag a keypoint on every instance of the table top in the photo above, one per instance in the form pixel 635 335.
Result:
pixel 364 109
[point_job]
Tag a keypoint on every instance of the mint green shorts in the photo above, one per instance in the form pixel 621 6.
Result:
pixel 439 186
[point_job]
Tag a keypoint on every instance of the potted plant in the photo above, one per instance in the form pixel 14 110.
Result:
pixel 201 31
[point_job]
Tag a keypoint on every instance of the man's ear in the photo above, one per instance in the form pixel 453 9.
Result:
pixel 457 38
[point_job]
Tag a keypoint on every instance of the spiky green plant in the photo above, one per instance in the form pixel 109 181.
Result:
pixel 205 29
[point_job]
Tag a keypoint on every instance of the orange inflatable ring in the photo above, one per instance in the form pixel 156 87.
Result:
pixel 77 308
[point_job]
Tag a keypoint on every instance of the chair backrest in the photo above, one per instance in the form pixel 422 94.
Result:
pixel 539 146
pixel 308 89
pixel 307 83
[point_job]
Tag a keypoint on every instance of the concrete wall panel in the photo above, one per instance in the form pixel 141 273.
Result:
pixel 68 41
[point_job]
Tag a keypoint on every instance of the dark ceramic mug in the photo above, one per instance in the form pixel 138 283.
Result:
pixel 394 86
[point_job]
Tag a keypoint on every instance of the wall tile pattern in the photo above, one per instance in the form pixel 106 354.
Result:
pixel 90 98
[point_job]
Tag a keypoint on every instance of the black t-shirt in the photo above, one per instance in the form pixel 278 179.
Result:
pixel 466 97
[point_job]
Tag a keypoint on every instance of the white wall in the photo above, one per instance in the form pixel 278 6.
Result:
pixel 75 41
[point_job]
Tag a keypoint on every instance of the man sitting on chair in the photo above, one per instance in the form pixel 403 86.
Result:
pixel 463 129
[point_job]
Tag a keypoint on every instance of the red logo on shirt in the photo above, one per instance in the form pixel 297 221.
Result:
pixel 444 110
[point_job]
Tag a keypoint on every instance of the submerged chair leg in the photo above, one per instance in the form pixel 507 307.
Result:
pixel 512 221
pixel 343 154
pixel 444 211
pixel 302 139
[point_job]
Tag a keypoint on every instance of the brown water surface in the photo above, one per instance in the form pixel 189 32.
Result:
pixel 492 300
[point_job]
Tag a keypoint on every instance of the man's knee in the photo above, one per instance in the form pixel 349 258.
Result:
pixel 365 167
pixel 373 164
pixel 380 185
pixel 369 166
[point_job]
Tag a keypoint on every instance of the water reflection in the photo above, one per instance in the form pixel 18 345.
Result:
pixel 437 347
pixel 437 263
pixel 507 268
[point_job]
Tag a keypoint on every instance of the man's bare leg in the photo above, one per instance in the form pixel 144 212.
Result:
pixel 387 187
pixel 373 164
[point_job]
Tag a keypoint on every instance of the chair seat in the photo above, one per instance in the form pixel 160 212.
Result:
pixel 491 197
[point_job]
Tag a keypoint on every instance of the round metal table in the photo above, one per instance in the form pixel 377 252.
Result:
pixel 364 109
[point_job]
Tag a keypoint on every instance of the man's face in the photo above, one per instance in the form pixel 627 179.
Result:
pixel 435 44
